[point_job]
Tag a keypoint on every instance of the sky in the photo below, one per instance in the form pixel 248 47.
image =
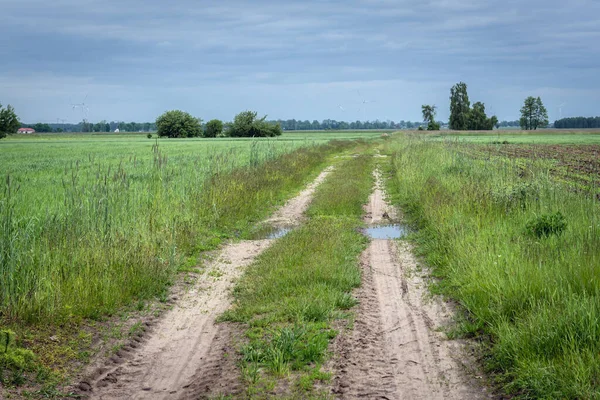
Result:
pixel 131 60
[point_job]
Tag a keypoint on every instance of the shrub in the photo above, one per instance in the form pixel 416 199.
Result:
pixel 246 124
pixel 13 358
pixel 149 136
pixel 214 128
pixel 546 225
pixel 178 124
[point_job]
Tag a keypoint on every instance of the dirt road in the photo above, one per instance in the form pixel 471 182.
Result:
pixel 180 355
pixel 395 349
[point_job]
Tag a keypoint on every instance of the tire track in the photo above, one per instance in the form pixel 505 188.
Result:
pixel 395 350
pixel 182 354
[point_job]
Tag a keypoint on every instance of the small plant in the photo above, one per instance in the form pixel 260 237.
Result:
pixel 546 225
pixel 149 136
pixel 14 359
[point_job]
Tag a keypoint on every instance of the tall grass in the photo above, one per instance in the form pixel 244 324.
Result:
pixel 104 234
pixel 536 298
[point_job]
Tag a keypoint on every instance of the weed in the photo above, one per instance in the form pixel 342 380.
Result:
pixel 546 225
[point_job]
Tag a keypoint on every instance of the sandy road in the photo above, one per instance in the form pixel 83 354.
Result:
pixel 395 349
pixel 181 354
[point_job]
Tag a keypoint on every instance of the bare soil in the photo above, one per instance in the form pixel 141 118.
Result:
pixel 184 353
pixel 577 163
pixel 396 349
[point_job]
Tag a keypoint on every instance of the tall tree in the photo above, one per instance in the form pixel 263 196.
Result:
pixel 533 114
pixel 460 106
pixel 541 115
pixel 429 117
pixel 9 122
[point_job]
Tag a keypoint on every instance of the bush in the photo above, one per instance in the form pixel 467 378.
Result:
pixel 13 358
pixel 433 126
pixel 178 124
pixel 546 225
pixel 246 124
pixel 149 136
pixel 214 128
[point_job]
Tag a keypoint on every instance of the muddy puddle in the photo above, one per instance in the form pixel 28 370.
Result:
pixel 271 232
pixel 391 231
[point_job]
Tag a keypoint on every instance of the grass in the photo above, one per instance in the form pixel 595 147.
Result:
pixel 521 255
pixel 82 238
pixel 289 297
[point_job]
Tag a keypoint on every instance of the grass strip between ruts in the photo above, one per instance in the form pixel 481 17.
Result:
pixel 288 299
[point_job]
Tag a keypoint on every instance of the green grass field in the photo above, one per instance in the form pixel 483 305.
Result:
pixel 519 251
pixel 92 224
pixel 83 215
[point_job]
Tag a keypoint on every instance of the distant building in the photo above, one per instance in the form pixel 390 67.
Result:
pixel 26 130
pixel 117 130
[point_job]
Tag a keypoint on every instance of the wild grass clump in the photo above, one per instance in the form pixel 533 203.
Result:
pixel 520 252
pixel 15 361
pixel 546 225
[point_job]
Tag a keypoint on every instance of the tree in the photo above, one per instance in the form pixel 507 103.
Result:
pixel 214 128
pixel 9 122
pixel 478 120
pixel 429 117
pixel 246 124
pixel 460 107
pixel 533 114
pixel 178 124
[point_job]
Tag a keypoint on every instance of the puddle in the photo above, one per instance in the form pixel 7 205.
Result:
pixel 395 231
pixel 271 232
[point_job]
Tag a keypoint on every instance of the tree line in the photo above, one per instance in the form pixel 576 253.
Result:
pixel 577 123
pixel 286 125
pixel 86 126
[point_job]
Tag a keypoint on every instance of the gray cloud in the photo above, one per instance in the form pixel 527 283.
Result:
pixel 295 59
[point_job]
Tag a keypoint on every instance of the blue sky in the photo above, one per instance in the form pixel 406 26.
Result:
pixel 135 59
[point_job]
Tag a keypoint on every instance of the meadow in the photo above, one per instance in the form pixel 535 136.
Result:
pixel 518 249
pixel 509 224
pixel 93 222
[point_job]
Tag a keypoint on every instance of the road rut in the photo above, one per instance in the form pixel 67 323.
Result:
pixel 180 356
pixel 395 349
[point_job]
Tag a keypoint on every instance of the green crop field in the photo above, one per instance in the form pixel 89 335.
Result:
pixel 82 215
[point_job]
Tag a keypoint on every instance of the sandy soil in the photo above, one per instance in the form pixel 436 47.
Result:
pixel 182 354
pixel 395 349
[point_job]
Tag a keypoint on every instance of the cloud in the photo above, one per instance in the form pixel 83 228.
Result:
pixel 214 54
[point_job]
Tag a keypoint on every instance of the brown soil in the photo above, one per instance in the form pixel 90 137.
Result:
pixel 577 163
pixel 184 354
pixel 395 349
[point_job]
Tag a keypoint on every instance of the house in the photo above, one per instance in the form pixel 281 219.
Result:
pixel 26 130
